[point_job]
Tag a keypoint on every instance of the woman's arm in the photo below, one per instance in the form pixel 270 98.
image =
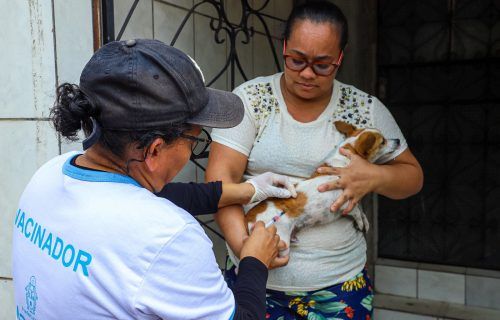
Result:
pixel 228 165
pixel 206 198
pixel 398 179
pixel 195 198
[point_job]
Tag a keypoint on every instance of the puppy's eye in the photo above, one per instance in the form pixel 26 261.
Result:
pixel 384 142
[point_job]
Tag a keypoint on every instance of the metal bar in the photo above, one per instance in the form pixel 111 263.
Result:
pixel 127 19
pixel 108 21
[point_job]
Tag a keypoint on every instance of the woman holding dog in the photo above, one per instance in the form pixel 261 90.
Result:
pixel 288 129
pixel 92 240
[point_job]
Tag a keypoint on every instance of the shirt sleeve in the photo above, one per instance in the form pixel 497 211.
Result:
pixel 385 122
pixel 185 282
pixel 195 198
pixel 240 138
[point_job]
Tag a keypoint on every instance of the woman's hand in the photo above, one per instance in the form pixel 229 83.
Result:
pixel 357 179
pixel 268 184
pixel 263 244
pixel 280 261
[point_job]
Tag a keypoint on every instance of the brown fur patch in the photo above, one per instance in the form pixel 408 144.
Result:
pixel 293 207
pixel 350 148
pixel 346 129
pixel 368 144
pixel 252 213
pixel 364 144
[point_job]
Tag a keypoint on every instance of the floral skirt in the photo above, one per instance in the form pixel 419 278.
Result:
pixel 351 300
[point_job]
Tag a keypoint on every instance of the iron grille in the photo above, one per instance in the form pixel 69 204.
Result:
pixel 439 74
pixel 223 31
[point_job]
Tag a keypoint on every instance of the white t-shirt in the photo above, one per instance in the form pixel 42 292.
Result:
pixel 274 141
pixel 96 245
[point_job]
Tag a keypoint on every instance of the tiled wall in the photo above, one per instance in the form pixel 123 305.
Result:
pixel 453 285
pixel 384 314
pixel 31 64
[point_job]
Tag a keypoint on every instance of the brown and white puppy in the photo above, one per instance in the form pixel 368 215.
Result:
pixel 312 207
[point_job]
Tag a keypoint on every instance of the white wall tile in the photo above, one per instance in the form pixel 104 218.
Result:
pixel 234 11
pixel 181 3
pixel 74 38
pixel 396 281
pixel 381 314
pixel 273 15
pixel 16 59
pixel 282 9
pixel 187 174
pixel 140 24
pixel 441 286
pixel 26 145
pixel 28 58
pixel 482 292
pixel 167 20
pixel 67 146
pixel 211 56
pixel 263 59
pixel 206 9
pixel 7 300
pixel 260 22
pixel 246 58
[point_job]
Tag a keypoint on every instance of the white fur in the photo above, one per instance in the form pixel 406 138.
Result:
pixel 317 208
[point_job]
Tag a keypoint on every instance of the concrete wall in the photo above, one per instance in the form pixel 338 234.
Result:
pixel 44 42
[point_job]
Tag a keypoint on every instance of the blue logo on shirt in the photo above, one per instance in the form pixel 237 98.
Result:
pixel 31 296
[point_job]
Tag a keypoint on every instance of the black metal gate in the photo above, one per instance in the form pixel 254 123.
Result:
pixel 439 74
pixel 223 30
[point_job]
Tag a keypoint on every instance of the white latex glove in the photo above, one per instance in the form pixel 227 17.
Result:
pixel 266 187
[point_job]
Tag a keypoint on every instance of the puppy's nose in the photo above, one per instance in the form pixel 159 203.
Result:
pixel 397 141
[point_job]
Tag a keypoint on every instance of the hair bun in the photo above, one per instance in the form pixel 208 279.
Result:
pixel 71 111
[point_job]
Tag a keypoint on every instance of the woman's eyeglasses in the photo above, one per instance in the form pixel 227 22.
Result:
pixel 320 68
pixel 200 143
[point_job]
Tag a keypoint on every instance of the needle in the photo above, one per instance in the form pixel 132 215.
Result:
pixel 274 219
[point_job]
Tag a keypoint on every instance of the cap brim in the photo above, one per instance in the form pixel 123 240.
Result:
pixel 223 110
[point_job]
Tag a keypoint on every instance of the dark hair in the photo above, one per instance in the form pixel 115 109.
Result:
pixel 318 12
pixel 72 112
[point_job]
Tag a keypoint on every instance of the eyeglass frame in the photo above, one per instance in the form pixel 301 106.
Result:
pixel 208 141
pixel 311 64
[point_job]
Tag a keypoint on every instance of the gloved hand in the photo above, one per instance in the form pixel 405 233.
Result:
pixel 266 186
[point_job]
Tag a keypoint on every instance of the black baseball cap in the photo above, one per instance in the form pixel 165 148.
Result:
pixel 145 84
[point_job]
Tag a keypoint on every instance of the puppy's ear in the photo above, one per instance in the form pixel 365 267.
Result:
pixel 364 145
pixel 345 128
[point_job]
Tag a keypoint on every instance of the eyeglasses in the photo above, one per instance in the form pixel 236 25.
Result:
pixel 200 143
pixel 320 68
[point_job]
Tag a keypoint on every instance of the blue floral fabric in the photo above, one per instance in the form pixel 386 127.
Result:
pixel 350 300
